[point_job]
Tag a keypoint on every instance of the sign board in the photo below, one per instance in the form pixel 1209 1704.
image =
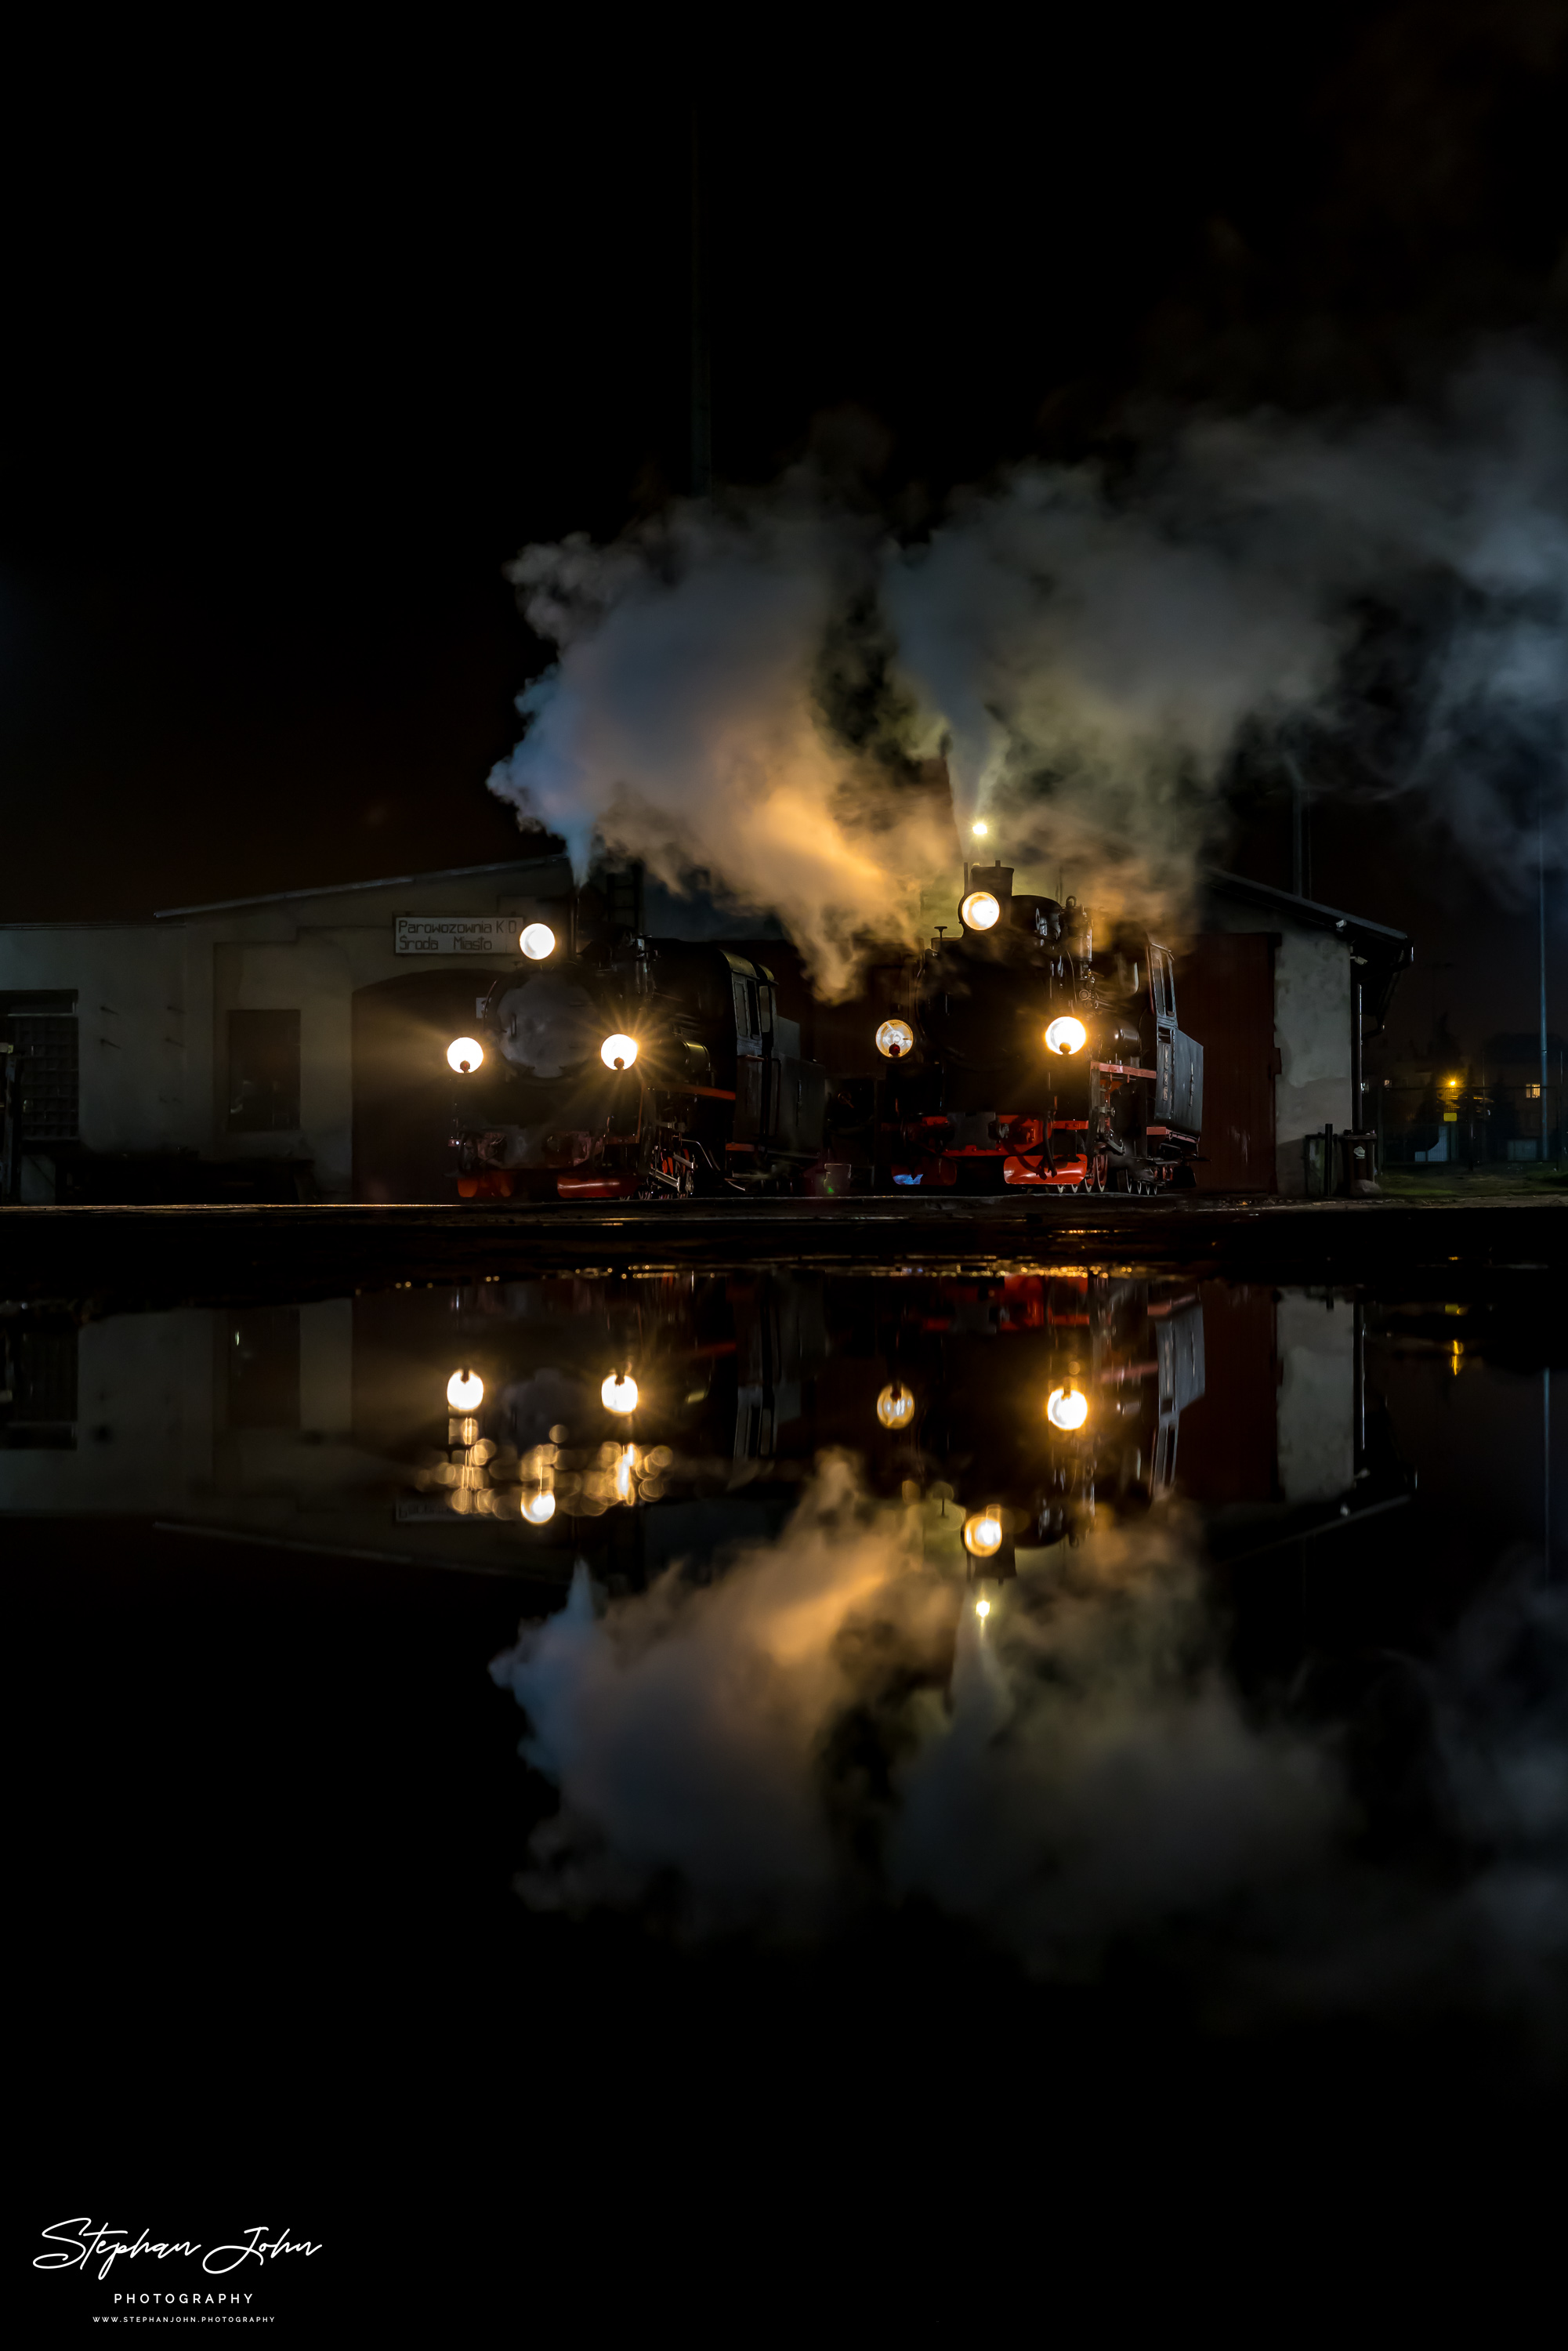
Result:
pixel 462 935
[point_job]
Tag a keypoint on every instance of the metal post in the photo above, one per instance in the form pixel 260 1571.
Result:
pixel 1541 875
pixel 702 380
pixel 1298 827
pixel 1356 1105
pixel 1546 1470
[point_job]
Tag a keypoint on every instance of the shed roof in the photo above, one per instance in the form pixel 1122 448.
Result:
pixel 341 889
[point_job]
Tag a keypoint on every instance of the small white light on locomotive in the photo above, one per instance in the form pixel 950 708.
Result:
pixel 980 911
pixel 895 1406
pixel 464 1391
pixel 982 1609
pixel 979 829
pixel 463 1054
pixel 539 1508
pixel 619 1392
pixel 537 942
pixel 983 1533
pixel 894 1038
pixel 617 1053
pixel 1066 1035
pixel 1067 1407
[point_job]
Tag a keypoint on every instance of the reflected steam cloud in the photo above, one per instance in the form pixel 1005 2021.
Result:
pixel 1075 1768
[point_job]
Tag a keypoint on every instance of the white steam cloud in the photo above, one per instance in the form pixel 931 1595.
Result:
pixel 742 689
pixel 1078 1771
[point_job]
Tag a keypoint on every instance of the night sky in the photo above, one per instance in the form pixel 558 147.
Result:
pixel 305 343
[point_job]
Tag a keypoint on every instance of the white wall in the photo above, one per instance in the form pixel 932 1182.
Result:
pixel 153 1001
pixel 1312 1029
pixel 1316 1410
pixel 129 979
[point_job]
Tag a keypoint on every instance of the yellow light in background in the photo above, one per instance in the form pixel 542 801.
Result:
pixel 1067 1408
pixel 539 1508
pixel 465 1053
pixel 617 1053
pixel 982 1609
pixel 980 911
pixel 979 829
pixel 894 1038
pixel 624 1488
pixel 464 1391
pixel 895 1406
pixel 1066 1035
pixel 983 1533
pixel 619 1392
pixel 537 942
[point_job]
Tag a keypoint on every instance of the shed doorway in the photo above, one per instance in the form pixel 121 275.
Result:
pixel 403 1087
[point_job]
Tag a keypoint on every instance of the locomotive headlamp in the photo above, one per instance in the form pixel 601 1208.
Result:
pixel 983 1533
pixel 895 1406
pixel 617 1053
pixel 982 1609
pixel 980 828
pixel 537 942
pixel 619 1392
pixel 894 1038
pixel 463 1054
pixel 464 1391
pixel 1066 1035
pixel 539 1508
pixel 980 912
pixel 1067 1407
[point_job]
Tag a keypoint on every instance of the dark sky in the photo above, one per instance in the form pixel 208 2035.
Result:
pixel 304 343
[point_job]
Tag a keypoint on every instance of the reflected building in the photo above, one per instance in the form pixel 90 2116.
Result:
pixel 513 1427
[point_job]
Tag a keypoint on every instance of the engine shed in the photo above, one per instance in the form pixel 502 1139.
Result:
pixel 291 1046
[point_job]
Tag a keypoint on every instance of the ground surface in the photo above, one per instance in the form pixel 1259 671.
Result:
pixel 124 1257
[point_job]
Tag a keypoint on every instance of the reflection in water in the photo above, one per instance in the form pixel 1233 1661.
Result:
pixel 841 1718
pixel 1078 1603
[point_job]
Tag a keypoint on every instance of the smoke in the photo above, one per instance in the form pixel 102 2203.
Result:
pixel 687 723
pixel 742 690
pixel 831 1725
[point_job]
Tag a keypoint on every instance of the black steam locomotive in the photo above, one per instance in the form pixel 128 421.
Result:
pixel 614 1066
pixel 1019 1058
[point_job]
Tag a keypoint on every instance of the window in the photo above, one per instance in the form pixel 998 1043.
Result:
pixel 43 1029
pixel 264 1072
pixel 1533 1093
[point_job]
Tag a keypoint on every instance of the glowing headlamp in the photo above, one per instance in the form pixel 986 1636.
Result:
pixel 617 1053
pixel 1066 1035
pixel 464 1391
pixel 895 1406
pixel 1067 1407
pixel 463 1054
pixel 537 942
pixel 539 1508
pixel 894 1038
pixel 983 1533
pixel 980 912
pixel 619 1392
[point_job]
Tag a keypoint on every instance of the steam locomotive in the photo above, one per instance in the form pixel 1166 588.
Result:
pixel 1019 1059
pixel 614 1066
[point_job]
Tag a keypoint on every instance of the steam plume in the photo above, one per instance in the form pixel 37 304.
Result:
pixel 739 691
pixel 1079 1772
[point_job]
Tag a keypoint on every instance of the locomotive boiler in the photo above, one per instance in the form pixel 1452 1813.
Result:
pixel 1022 1053
pixel 614 1066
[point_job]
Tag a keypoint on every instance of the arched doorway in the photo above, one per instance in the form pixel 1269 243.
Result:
pixel 403 1087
